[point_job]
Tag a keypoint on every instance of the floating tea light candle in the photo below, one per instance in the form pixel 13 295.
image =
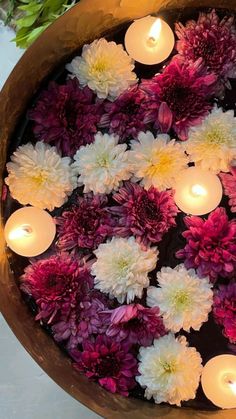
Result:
pixel 219 381
pixel 29 231
pixel 149 40
pixel 197 191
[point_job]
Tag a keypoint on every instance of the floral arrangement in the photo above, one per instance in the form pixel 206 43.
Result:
pixel 129 278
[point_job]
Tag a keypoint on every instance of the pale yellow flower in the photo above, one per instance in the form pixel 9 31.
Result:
pixel 157 161
pixel 169 370
pixel 212 145
pixel 104 67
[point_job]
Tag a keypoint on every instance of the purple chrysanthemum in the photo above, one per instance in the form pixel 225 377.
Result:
pixel 212 40
pixel 224 310
pixel 86 224
pixel 57 284
pixel 109 363
pixel 128 114
pixel 146 214
pixel 66 116
pixel 229 184
pixel 211 245
pixel 136 324
pixel 181 95
pixel 86 319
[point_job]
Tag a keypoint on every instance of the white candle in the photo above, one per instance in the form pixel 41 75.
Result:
pixel 197 192
pixel 149 40
pixel 219 381
pixel 29 231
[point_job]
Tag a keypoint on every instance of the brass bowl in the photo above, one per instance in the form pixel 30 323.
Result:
pixel 88 20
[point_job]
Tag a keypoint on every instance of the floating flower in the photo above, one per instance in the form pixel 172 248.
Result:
pixel 128 114
pixel 103 164
pixel 212 145
pixel 105 67
pixel 86 224
pixel 212 40
pixel 39 176
pixel 86 319
pixel 66 116
pixel 146 214
pixel 224 310
pixel 229 184
pixel 136 324
pixel 181 94
pixel 184 300
pixel 122 267
pixel 169 370
pixel 151 160
pixel 57 284
pixel 211 245
pixel 109 363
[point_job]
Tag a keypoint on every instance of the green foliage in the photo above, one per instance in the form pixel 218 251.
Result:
pixel 12 4
pixel 37 16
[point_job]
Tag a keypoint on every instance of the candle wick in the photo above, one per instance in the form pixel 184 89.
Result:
pixel 20 232
pixel 152 39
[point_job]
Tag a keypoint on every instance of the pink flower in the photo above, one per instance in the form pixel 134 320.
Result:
pixel 66 116
pixel 86 224
pixel 224 310
pixel 86 319
pixel 229 184
pixel 211 245
pixel 57 284
pixel 146 214
pixel 136 324
pixel 181 95
pixel 128 114
pixel 109 363
pixel 213 41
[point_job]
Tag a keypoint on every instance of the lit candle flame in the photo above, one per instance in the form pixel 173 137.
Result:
pixel 198 190
pixel 232 385
pixel 155 31
pixel 20 232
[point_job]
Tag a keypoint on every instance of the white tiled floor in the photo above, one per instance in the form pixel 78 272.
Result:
pixel 26 392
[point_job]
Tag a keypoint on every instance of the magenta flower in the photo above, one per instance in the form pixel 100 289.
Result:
pixel 66 116
pixel 146 214
pixel 57 284
pixel 129 114
pixel 181 95
pixel 212 40
pixel 224 310
pixel 86 319
pixel 86 224
pixel 109 363
pixel 229 184
pixel 211 245
pixel 136 324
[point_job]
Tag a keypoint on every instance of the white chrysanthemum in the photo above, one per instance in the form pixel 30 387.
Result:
pixel 39 176
pixel 169 370
pixel 105 67
pixel 122 267
pixel 212 145
pixel 103 164
pixel 184 300
pixel 157 161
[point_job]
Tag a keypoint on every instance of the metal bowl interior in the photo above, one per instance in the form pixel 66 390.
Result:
pixel 88 20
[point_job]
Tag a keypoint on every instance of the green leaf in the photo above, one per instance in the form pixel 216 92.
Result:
pixel 27 21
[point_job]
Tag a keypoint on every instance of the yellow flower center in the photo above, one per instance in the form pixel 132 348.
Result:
pixel 169 366
pixel 99 66
pixel 40 178
pixel 181 300
pixel 103 161
pixel 216 137
pixel 160 164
